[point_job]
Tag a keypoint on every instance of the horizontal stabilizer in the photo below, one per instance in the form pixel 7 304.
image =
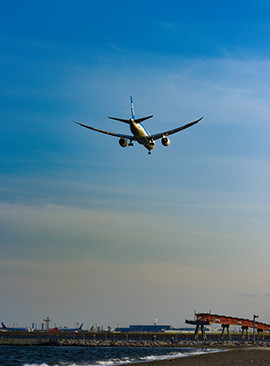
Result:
pixel 139 120
pixel 120 119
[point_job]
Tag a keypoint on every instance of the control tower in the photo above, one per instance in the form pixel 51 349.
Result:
pixel 47 321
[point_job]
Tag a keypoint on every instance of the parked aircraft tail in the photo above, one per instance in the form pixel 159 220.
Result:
pixel 3 325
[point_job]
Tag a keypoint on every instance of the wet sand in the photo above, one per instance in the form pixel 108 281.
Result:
pixel 239 357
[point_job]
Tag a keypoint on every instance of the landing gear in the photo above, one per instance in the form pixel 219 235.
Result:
pixel 130 143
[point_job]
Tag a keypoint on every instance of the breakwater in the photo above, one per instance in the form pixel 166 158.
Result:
pixel 111 339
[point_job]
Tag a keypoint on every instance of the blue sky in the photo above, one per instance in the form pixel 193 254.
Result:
pixel 94 233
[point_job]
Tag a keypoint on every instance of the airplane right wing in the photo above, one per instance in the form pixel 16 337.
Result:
pixel 167 133
pixel 129 137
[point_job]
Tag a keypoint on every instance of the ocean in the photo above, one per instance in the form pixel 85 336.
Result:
pixel 88 356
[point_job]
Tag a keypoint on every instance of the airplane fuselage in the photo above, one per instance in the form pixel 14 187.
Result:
pixel 12 329
pixel 141 135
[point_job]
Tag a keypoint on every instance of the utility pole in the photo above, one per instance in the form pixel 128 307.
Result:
pixel 254 317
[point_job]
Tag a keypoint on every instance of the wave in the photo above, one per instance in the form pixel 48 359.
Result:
pixel 187 352
pixel 172 355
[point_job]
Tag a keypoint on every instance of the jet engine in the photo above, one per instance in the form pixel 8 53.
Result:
pixel 165 141
pixel 123 142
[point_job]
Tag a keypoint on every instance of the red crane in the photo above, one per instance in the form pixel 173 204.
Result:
pixel 230 320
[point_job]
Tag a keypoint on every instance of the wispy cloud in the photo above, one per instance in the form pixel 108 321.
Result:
pixel 114 229
pixel 125 290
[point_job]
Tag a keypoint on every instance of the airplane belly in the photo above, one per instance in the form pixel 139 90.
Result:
pixel 138 131
pixel 141 135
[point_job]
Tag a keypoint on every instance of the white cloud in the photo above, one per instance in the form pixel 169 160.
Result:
pixel 231 91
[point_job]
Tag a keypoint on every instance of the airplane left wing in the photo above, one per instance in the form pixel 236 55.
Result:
pixel 167 133
pixel 129 137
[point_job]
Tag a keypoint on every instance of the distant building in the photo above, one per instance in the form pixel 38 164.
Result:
pixel 145 328
pixel 153 329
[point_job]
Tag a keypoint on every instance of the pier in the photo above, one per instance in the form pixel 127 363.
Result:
pixel 113 339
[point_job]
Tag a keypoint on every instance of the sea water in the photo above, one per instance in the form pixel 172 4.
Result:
pixel 88 356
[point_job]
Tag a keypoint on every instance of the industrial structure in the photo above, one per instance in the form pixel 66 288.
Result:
pixel 202 319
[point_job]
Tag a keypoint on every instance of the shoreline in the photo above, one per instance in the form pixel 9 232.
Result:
pixel 240 356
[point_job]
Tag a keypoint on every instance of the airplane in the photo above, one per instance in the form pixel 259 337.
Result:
pixel 139 133
pixel 71 329
pixel 13 328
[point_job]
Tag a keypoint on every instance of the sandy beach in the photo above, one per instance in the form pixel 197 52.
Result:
pixel 243 356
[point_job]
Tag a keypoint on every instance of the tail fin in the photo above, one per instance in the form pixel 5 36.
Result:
pixel 3 325
pixel 138 120
pixel 132 108
pixel 81 326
